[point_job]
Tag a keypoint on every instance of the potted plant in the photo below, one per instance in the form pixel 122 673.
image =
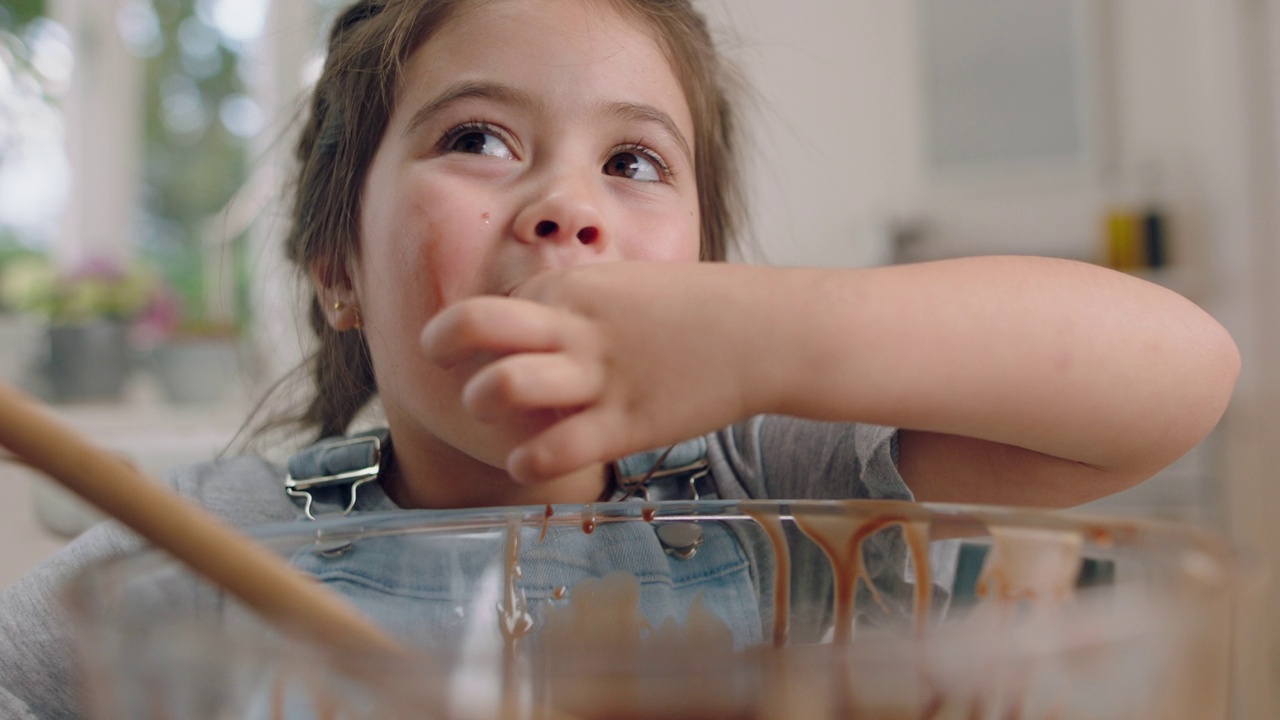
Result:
pixel 196 361
pixel 88 311
pixel 20 332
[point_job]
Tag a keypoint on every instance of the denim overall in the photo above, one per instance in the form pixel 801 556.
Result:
pixel 447 592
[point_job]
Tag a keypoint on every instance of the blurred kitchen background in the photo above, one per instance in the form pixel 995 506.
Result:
pixel 143 148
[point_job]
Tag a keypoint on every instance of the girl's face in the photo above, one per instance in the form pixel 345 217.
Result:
pixel 528 135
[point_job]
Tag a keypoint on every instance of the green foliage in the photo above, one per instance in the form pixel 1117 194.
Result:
pixel 16 100
pixel 189 176
pixel 29 282
pixel 17 13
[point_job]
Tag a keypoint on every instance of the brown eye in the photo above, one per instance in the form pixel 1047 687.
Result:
pixel 478 141
pixel 633 166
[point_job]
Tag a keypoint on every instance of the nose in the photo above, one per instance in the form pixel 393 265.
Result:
pixel 563 214
pixel 550 230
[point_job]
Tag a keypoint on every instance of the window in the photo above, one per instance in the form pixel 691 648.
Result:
pixel 199 122
pixel 35 75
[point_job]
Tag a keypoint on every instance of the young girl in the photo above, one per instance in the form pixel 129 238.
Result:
pixel 502 206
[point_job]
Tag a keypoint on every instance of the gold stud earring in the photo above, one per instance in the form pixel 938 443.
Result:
pixel 337 306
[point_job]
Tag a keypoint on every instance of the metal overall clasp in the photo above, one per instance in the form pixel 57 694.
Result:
pixel 302 487
pixel 666 480
pixel 664 483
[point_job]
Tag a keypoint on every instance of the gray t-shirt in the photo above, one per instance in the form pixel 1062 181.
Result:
pixel 764 457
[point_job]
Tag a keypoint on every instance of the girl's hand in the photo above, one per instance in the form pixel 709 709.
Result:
pixel 621 357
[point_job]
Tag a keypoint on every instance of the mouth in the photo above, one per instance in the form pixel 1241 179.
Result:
pixel 511 291
pixel 515 287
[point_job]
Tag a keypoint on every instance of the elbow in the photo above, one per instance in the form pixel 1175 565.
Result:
pixel 1230 360
pixel 1223 365
pixel 1204 391
pixel 1189 402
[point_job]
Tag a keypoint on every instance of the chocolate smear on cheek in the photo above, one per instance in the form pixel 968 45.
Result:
pixel 431 275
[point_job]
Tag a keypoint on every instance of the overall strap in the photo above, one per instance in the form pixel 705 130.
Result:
pixel 676 472
pixel 335 464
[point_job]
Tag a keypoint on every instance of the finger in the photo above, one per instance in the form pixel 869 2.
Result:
pixel 529 381
pixel 573 443
pixel 491 324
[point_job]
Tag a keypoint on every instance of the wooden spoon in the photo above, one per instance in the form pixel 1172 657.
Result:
pixel 284 595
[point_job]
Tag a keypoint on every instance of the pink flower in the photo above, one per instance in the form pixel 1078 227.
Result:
pixel 159 319
pixel 97 268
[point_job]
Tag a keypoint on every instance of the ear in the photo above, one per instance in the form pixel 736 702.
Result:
pixel 337 299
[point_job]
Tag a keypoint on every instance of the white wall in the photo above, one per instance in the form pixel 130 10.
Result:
pixel 841 148
pixel 1250 181
pixel 835 121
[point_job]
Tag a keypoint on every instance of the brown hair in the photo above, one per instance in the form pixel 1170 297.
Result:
pixel 349 110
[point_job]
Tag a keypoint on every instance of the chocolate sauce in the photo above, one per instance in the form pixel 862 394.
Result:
pixel 601 612
pixel 514 619
pixel 1026 571
pixel 770 519
pixel 1100 536
pixel 841 541
pixel 546 520
pixel 277 697
pixel 917 534
pixel 602 616
pixel 326 709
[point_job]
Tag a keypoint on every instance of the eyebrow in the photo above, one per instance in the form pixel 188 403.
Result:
pixel 498 92
pixel 505 94
pixel 648 114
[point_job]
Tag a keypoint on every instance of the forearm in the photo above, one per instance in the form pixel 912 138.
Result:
pixel 1061 358
pixel 1079 378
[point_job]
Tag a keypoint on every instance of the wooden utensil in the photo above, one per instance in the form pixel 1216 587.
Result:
pixel 283 595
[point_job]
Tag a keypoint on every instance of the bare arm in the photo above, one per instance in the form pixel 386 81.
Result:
pixel 1020 380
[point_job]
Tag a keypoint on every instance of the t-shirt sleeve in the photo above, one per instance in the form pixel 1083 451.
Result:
pixel 37 663
pixel 37 671
pixel 774 456
pixel 11 708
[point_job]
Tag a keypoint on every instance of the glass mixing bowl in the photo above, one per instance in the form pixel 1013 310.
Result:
pixel 854 609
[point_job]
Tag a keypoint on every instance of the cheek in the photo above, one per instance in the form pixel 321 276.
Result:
pixel 454 254
pixel 671 239
pixel 423 249
pixel 662 232
pixel 451 265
